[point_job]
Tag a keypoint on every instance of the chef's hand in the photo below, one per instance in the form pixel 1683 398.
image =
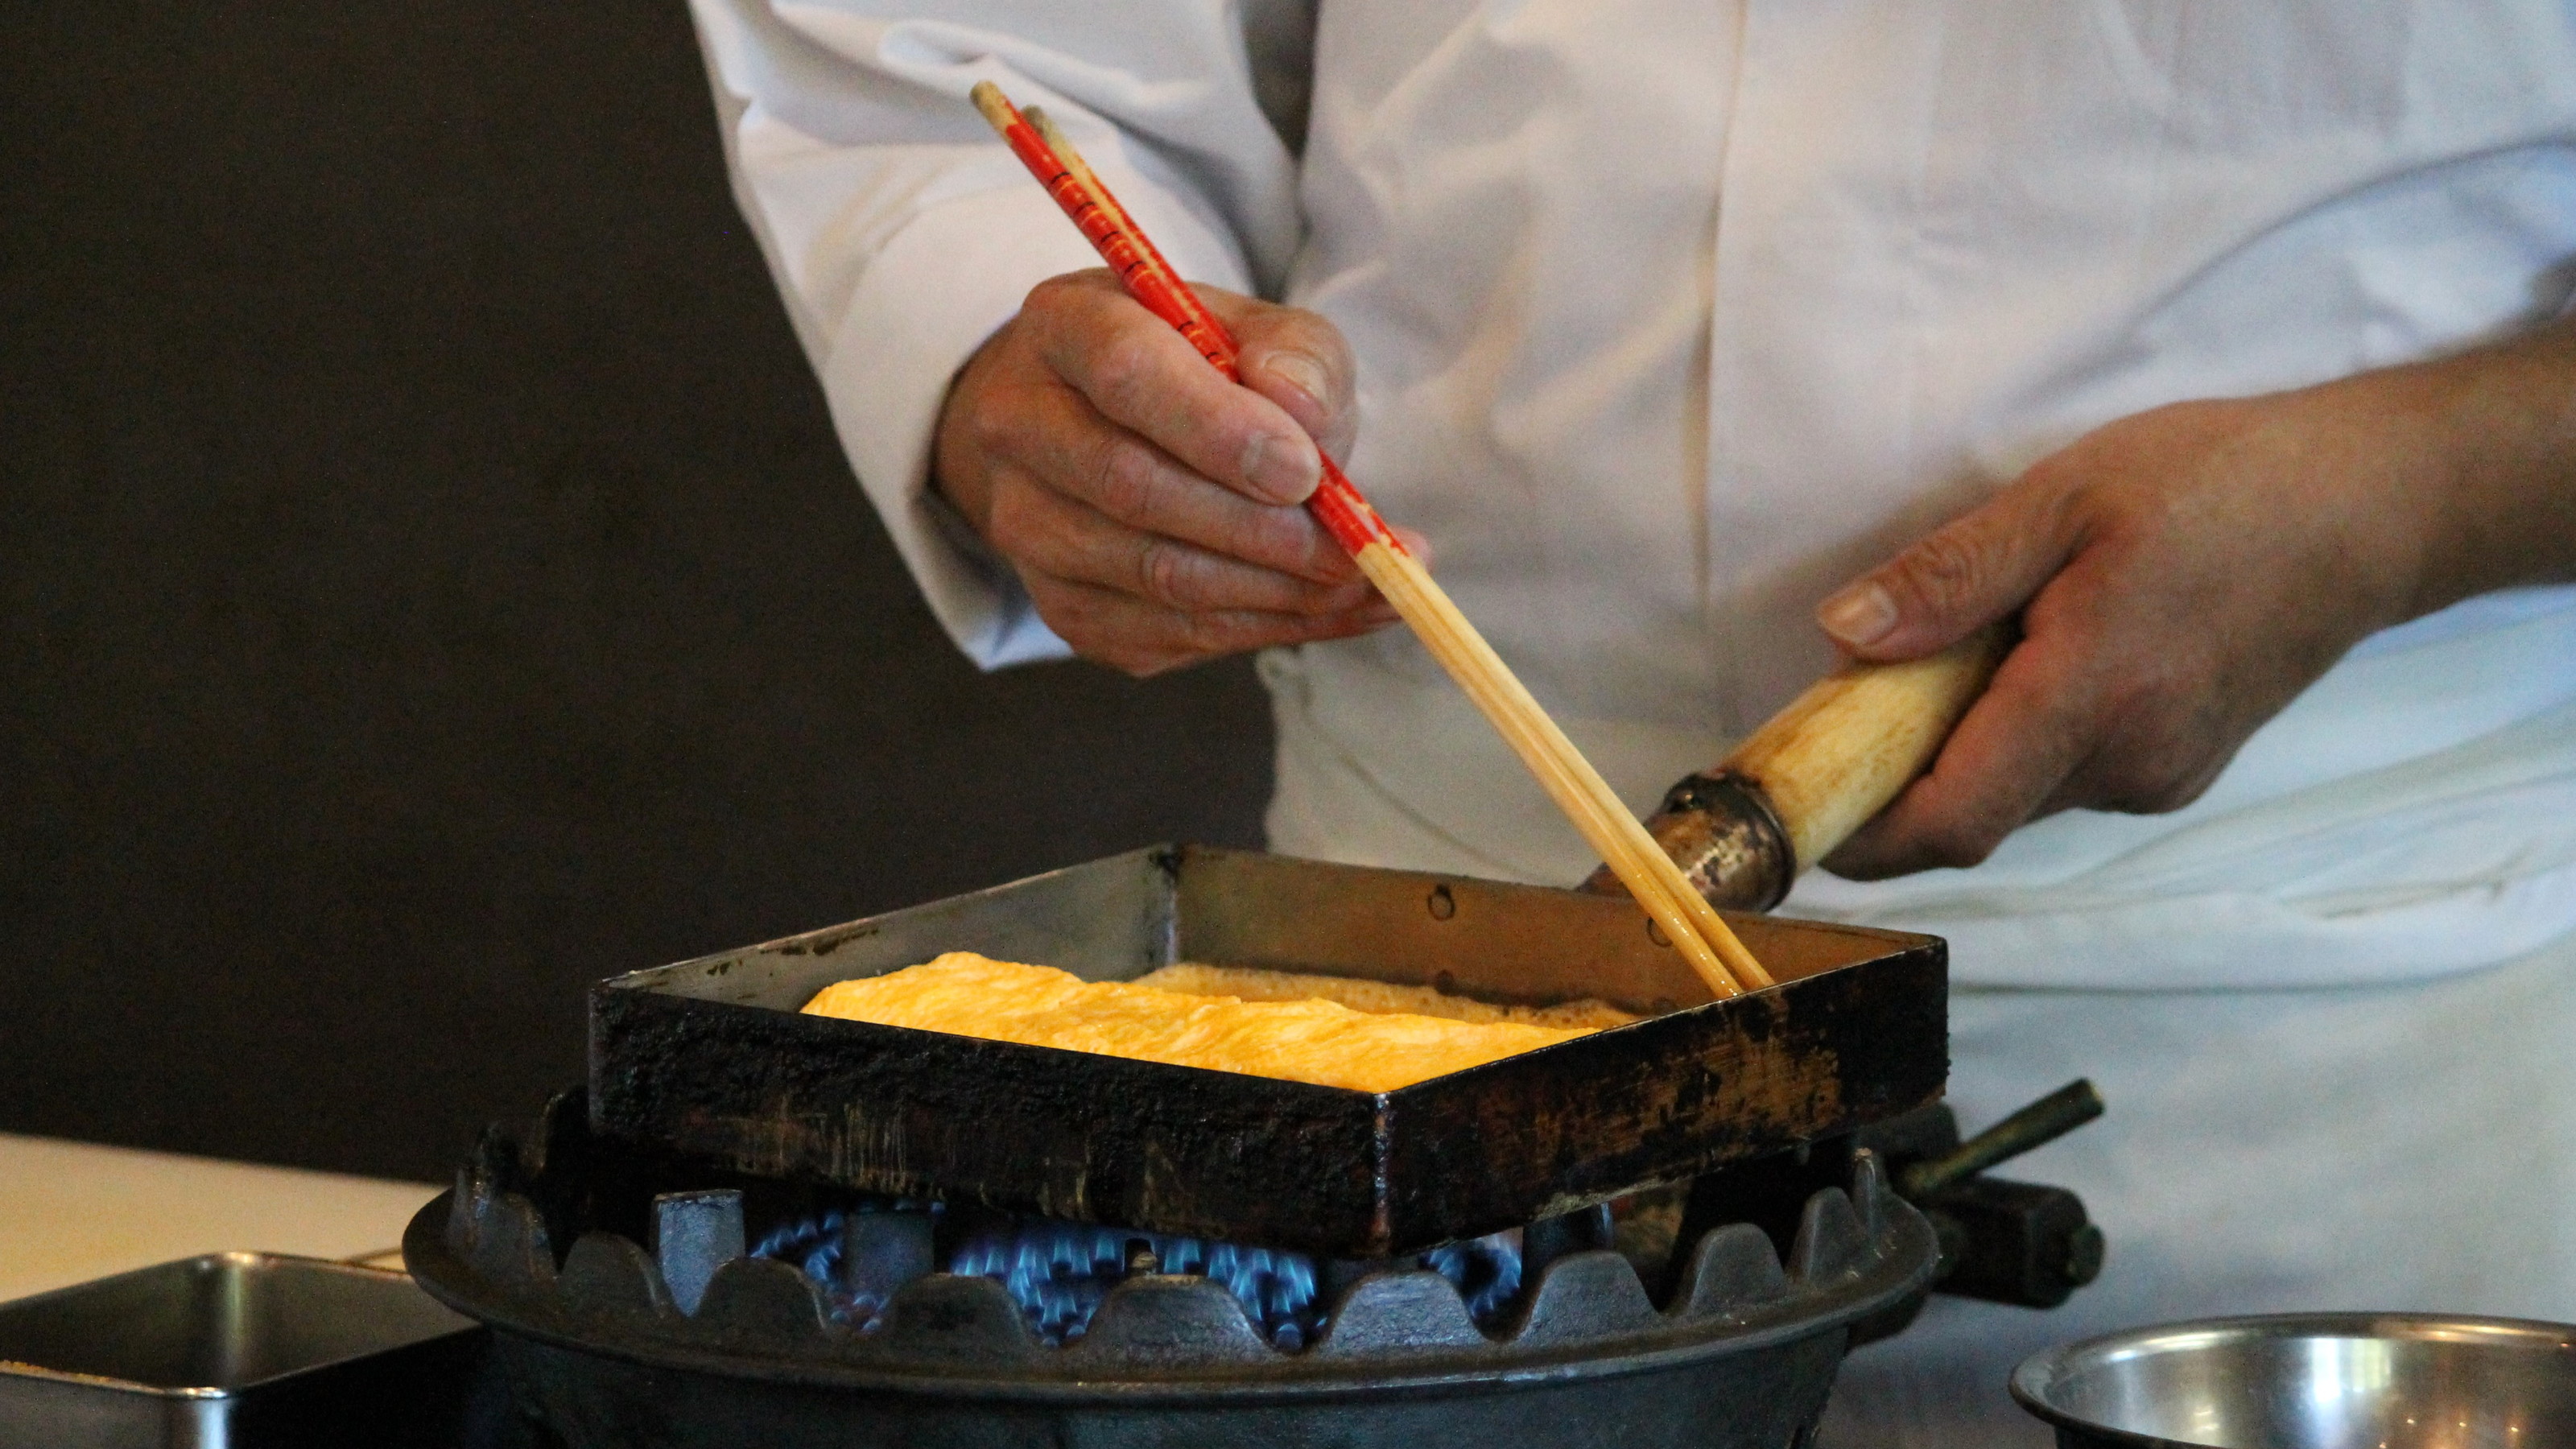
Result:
pixel 2182 574
pixel 1150 505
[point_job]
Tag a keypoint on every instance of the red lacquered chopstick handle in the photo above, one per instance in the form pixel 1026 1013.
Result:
pixel 1347 516
pixel 1141 269
pixel 1152 281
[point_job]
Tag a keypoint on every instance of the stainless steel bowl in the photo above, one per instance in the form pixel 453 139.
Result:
pixel 2312 1381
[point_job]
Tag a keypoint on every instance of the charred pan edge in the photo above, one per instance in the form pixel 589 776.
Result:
pixel 1684 1094
pixel 774 1093
pixel 1066 1134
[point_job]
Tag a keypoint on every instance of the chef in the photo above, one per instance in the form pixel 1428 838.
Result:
pixel 2220 345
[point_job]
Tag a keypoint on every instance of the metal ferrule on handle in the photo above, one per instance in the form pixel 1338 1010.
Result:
pixel 1742 830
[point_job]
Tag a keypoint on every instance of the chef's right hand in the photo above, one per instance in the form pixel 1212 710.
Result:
pixel 1149 505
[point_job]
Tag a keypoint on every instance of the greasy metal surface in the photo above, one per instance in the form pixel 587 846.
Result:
pixel 2311 1381
pixel 709 1057
pixel 225 1349
pixel 1719 827
pixel 1158 1338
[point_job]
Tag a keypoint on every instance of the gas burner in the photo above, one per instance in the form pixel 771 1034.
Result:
pixel 749 1250
pixel 769 1312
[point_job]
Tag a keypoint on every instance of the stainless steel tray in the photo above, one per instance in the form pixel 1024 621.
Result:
pixel 232 1351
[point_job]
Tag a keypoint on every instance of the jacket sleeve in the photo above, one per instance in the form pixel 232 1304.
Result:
pixel 901 232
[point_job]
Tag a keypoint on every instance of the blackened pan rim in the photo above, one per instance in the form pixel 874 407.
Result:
pixel 1857 1031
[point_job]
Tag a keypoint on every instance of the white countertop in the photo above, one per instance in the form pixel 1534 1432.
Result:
pixel 72 1211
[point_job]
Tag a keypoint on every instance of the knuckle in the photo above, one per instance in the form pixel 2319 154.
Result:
pixel 992 427
pixel 1207 635
pixel 1166 574
pixel 2159 743
pixel 1122 371
pixel 1010 525
pixel 1059 292
pixel 1041 316
pixel 2058 477
pixel 1060 317
pixel 2150 785
pixel 1945 571
pixel 1124 477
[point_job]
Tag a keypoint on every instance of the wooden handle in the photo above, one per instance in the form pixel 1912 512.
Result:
pixel 1842 750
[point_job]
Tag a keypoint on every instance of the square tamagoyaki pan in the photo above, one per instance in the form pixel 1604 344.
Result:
pixel 711 1059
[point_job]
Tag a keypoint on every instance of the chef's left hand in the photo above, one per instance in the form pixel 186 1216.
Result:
pixel 2182 574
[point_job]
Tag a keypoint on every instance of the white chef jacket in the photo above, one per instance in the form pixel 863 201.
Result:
pixel 1669 319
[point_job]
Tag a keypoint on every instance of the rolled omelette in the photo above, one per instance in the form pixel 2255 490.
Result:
pixel 1245 983
pixel 1316 1041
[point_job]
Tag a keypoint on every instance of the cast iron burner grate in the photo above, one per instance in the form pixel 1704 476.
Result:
pixel 858 1327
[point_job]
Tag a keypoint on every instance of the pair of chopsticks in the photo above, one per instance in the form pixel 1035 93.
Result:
pixel 1687 920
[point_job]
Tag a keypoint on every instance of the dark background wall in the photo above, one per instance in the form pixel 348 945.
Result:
pixel 428 583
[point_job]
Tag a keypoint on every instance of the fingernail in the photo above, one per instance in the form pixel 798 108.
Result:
pixel 1301 371
pixel 1283 469
pixel 1860 614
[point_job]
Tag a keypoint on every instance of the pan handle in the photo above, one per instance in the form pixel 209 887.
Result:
pixel 1817 771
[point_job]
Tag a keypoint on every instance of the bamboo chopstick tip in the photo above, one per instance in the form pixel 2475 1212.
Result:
pixel 996 107
pixel 1058 142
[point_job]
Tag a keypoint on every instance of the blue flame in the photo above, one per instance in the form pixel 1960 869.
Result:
pixel 1059 1272
pixel 814 1244
pixel 1486 1272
